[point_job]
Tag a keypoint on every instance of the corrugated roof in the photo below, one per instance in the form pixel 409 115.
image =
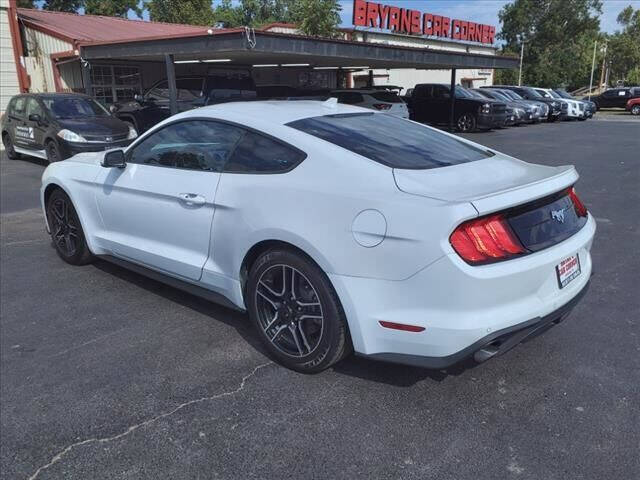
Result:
pixel 96 28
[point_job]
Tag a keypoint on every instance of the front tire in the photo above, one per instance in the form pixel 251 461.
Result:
pixel 466 123
pixel 296 311
pixel 635 110
pixel 8 147
pixel 66 231
pixel 53 152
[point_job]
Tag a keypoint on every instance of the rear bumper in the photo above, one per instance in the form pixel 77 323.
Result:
pixel 461 307
pixel 492 345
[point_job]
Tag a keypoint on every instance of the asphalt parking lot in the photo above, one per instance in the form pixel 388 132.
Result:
pixel 105 374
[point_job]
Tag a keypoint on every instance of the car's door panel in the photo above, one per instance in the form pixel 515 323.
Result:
pixel 36 141
pixel 17 126
pixel 158 210
pixel 147 219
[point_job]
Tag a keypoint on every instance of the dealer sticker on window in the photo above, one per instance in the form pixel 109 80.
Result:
pixel 567 270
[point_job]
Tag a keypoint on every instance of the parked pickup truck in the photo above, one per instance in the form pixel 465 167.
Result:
pixel 431 103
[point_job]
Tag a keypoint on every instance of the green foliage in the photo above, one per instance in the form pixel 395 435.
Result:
pixel 62 5
pixel 623 49
pixel 25 4
pixel 112 8
pixel 193 12
pixel 317 18
pixel 313 17
pixel 558 36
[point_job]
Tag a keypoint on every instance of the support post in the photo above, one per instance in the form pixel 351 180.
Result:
pixel 452 95
pixel 521 57
pixel 171 83
pixel 370 82
pixel 86 77
pixel 593 66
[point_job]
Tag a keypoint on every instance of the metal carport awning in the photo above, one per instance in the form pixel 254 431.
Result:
pixel 244 47
pixel 276 48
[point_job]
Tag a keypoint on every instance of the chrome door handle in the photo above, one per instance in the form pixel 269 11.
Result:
pixel 192 199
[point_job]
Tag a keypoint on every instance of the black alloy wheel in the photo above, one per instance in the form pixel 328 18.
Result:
pixel 466 123
pixel 66 232
pixel 296 311
pixel 8 147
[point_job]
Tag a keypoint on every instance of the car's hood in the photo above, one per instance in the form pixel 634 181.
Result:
pixel 106 125
pixel 490 184
pixel 89 158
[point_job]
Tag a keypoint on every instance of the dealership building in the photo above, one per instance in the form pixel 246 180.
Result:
pixel 114 59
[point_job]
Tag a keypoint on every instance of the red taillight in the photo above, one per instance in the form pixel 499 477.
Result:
pixel 381 106
pixel 485 239
pixel 581 210
pixel 402 326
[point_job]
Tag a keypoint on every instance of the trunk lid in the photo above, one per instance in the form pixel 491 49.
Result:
pixel 490 185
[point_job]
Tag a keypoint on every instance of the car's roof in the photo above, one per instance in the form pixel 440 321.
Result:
pixel 273 111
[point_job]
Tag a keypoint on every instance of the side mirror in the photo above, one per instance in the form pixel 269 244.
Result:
pixel 35 117
pixel 114 159
pixel 113 109
pixel 138 98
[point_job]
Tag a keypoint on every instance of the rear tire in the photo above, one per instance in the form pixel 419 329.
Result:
pixel 635 110
pixel 296 311
pixel 8 147
pixel 66 231
pixel 53 151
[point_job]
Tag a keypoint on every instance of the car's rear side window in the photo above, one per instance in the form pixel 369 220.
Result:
pixel 391 141
pixel 257 153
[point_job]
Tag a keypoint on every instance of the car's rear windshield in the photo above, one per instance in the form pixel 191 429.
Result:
pixel 389 97
pixel 390 140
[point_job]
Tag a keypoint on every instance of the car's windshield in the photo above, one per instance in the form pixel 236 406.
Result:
pixel 462 92
pixel 476 94
pixel 485 93
pixel 511 94
pixel 533 93
pixel 74 107
pixel 375 136
pixel 501 96
pixel 554 94
pixel 563 94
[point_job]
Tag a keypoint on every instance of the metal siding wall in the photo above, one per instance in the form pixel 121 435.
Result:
pixel 40 46
pixel 9 85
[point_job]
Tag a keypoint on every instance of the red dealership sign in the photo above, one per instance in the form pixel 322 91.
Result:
pixel 414 22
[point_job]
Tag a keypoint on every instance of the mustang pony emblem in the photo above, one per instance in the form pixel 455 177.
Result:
pixel 558 215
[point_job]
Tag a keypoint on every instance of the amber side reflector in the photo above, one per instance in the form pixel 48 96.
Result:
pixel 401 326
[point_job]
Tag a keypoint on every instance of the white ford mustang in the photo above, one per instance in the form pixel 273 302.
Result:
pixel 336 228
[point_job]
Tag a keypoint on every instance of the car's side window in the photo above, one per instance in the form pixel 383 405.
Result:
pixel 17 109
pixel 192 144
pixel 159 92
pixel 34 107
pixel 256 153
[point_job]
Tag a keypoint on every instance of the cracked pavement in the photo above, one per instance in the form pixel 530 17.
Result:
pixel 107 375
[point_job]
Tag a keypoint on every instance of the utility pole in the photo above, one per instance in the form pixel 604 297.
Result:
pixel 593 66
pixel 521 55
pixel 604 63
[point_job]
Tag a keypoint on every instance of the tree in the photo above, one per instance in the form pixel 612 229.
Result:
pixel 62 5
pixel 623 50
pixel 112 8
pixel 25 4
pixel 317 18
pixel 193 12
pixel 558 37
